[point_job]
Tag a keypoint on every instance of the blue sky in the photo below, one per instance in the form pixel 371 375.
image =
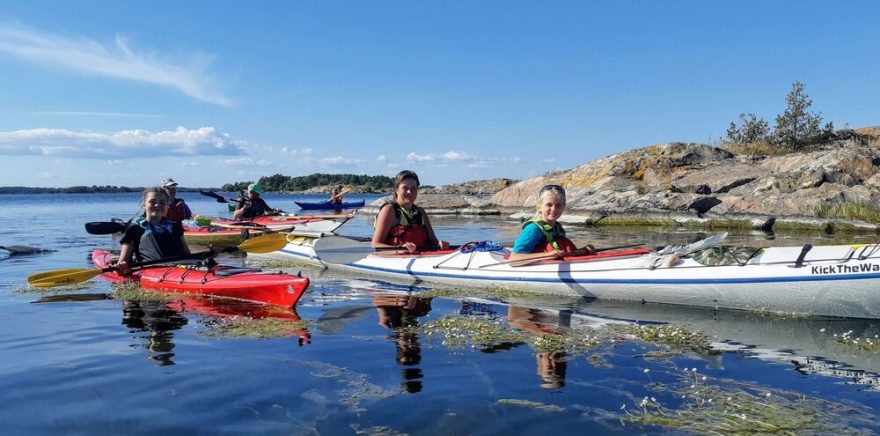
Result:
pixel 209 92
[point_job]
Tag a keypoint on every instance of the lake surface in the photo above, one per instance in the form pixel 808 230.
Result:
pixel 376 358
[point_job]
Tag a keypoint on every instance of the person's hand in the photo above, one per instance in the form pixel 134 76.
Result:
pixel 410 247
pixel 558 253
pixel 122 268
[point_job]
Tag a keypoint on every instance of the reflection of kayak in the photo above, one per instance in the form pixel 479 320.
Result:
pixel 838 280
pixel 327 205
pixel 302 223
pixel 221 281
pixel 810 343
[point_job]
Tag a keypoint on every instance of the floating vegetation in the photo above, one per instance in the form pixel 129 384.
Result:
pixel 496 292
pixel 458 332
pixel 356 387
pixel 706 406
pixel 863 344
pixel 531 404
pixel 129 290
pixel 25 289
pixel 245 326
pixel 670 335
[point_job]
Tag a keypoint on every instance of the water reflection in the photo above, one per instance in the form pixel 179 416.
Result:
pixel 397 312
pixel 811 344
pixel 551 364
pixel 158 320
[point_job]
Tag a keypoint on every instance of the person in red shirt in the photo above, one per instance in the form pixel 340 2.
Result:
pixel 177 209
pixel 401 223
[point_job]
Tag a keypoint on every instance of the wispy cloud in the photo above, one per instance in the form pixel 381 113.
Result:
pixel 203 141
pixel 246 162
pixel 495 161
pixel 339 161
pixel 449 156
pixel 117 60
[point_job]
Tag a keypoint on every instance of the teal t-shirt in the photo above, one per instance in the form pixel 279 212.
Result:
pixel 528 239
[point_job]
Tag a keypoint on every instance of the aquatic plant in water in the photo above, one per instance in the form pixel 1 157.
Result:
pixel 670 335
pixel 720 406
pixel 245 326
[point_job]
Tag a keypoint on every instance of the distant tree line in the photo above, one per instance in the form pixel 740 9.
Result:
pixel 69 190
pixel 94 189
pixel 796 129
pixel 278 182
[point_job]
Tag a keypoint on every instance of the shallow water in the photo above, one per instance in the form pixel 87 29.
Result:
pixel 76 362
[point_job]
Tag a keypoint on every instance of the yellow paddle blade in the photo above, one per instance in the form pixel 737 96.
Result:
pixel 264 244
pixel 61 277
pixel 58 272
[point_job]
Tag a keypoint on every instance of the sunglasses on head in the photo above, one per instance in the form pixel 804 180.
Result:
pixel 552 188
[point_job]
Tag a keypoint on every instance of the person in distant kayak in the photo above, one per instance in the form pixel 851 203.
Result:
pixel 401 223
pixel 177 208
pixel 153 236
pixel 336 195
pixel 254 205
pixel 543 235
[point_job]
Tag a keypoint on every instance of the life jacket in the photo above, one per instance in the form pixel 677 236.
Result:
pixel 158 241
pixel 257 207
pixel 178 211
pixel 554 237
pixel 408 228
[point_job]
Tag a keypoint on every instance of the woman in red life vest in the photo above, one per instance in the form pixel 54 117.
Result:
pixel 401 223
pixel 543 234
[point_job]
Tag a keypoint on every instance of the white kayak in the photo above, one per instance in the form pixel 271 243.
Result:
pixel 842 280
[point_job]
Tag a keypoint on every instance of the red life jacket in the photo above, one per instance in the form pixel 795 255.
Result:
pixel 553 240
pixel 408 228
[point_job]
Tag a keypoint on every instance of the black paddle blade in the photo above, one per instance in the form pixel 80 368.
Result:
pixel 214 195
pixel 21 249
pixel 105 228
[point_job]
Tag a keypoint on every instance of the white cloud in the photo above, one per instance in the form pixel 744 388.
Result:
pixel 245 162
pixel 117 60
pixel 203 141
pixel 449 156
pixel 495 161
pixel 412 157
pixel 381 158
pixel 457 156
pixel 339 161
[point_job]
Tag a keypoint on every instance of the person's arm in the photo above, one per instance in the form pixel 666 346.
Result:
pixel 528 239
pixel 188 214
pixel 432 238
pixel 178 229
pixel 126 253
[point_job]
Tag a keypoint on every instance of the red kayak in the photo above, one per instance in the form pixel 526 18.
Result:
pixel 220 281
pixel 307 223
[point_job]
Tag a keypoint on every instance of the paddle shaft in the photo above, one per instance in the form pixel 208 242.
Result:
pixel 578 252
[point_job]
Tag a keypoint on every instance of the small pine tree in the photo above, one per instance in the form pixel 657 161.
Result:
pixel 751 129
pixel 796 128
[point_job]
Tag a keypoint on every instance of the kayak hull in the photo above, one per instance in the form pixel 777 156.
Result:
pixel 317 224
pixel 830 280
pixel 326 205
pixel 267 288
pixel 218 236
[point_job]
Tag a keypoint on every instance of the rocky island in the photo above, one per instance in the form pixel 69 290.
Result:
pixel 696 185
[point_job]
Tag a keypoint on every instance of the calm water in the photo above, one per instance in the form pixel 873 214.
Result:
pixel 75 362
